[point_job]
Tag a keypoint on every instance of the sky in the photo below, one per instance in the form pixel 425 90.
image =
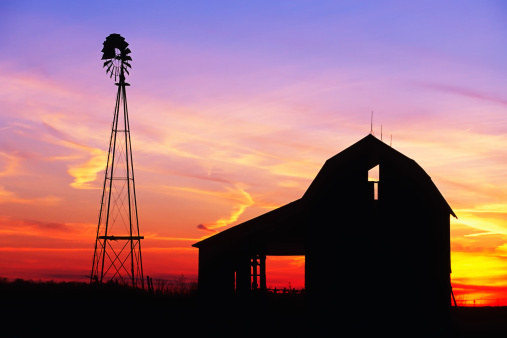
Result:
pixel 234 107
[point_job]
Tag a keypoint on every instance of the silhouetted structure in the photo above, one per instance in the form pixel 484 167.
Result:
pixel 377 252
pixel 117 255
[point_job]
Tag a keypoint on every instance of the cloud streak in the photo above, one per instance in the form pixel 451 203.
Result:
pixel 465 92
pixel 84 173
pixel 27 227
pixel 242 200
pixel 10 164
pixel 8 197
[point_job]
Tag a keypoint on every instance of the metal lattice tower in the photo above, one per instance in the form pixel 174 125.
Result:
pixel 117 255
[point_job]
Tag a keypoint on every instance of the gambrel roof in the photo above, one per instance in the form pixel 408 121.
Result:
pixel 364 154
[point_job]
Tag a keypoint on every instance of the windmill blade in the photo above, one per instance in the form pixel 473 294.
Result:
pixel 108 53
pixel 114 43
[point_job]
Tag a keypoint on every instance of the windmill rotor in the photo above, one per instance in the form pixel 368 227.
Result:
pixel 116 56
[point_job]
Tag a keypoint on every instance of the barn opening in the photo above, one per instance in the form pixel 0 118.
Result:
pixel 276 274
pixel 284 273
pixel 374 178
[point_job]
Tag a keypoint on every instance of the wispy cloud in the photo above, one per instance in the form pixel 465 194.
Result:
pixel 84 173
pixel 169 249
pixel 242 200
pixel 484 268
pixel 9 164
pixel 165 238
pixel 466 92
pixel 485 222
pixel 27 227
pixel 32 249
pixel 7 196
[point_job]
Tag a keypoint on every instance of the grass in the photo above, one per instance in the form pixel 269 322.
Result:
pixel 71 309
pixel 484 321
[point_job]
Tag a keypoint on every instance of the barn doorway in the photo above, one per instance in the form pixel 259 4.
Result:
pixel 285 274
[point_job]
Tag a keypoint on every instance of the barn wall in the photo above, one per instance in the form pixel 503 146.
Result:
pixel 216 274
pixel 336 260
pixel 385 259
pixel 418 254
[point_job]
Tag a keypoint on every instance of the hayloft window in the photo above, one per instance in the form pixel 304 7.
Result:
pixel 373 176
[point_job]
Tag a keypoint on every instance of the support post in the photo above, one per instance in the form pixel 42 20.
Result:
pixel 254 265
pixel 262 273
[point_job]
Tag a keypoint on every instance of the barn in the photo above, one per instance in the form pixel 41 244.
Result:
pixel 378 248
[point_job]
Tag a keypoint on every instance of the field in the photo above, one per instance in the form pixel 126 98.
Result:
pixel 78 309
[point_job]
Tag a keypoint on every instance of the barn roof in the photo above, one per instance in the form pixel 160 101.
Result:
pixel 373 151
pixel 369 150
pixel 260 224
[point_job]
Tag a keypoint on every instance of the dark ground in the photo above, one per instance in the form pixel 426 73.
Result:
pixel 77 310
pixel 480 321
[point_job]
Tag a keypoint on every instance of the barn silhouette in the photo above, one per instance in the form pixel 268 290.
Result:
pixel 378 249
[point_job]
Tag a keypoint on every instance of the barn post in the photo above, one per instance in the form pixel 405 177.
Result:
pixel 254 263
pixel 262 273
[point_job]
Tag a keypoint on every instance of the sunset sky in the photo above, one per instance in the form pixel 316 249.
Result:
pixel 234 107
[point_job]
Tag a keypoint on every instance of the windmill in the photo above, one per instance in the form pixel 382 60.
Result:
pixel 117 254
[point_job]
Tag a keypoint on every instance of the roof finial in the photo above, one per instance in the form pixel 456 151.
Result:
pixel 380 132
pixel 391 143
pixel 371 123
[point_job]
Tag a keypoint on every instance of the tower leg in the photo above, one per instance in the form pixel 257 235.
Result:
pixel 117 254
